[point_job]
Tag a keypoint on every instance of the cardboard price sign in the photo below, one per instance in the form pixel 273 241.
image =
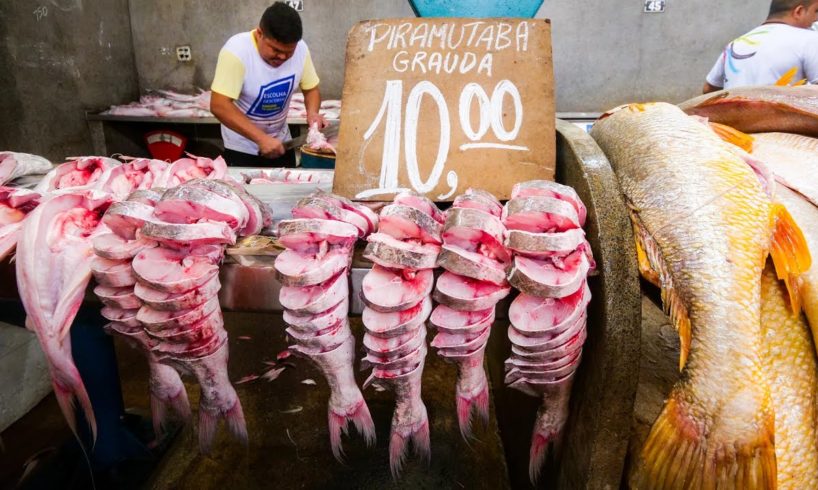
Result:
pixel 440 105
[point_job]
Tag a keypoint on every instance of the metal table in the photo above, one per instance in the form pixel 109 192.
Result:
pixel 124 134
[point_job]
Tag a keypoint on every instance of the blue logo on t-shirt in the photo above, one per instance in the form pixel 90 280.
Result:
pixel 272 98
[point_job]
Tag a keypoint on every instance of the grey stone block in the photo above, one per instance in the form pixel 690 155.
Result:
pixel 24 377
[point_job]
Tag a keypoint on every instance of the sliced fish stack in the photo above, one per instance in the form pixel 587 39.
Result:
pixel 115 278
pixel 551 263
pixel 314 274
pixel 178 283
pixel 397 296
pixel 475 261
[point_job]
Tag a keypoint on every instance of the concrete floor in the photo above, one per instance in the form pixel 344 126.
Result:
pixel 289 448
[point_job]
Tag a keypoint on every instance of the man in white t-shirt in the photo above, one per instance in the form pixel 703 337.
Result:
pixel 256 76
pixel 763 55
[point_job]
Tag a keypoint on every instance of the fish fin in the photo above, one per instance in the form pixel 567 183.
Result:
pixel 339 421
pixel 546 438
pixel 680 453
pixel 790 253
pixel 645 269
pixel 787 77
pixel 803 81
pixel 472 400
pixel 679 318
pixel 652 268
pixel 733 136
pixel 416 432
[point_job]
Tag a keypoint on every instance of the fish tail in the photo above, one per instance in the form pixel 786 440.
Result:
pixel 68 388
pixel 546 437
pixel 168 396
pixel 679 453
pixel 733 136
pixel 468 400
pixel 402 434
pixel 337 425
pixel 208 419
pixel 158 415
pixel 790 253
pixel 236 423
pixel 339 419
pixel 340 414
pixel 362 420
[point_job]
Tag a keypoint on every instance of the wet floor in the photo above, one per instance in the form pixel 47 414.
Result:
pixel 287 424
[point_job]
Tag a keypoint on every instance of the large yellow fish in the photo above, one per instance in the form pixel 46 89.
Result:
pixel 792 373
pixel 704 227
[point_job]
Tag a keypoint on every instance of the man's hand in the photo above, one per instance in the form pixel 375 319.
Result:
pixel 317 119
pixel 270 147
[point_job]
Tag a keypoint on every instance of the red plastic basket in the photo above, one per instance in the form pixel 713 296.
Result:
pixel 165 144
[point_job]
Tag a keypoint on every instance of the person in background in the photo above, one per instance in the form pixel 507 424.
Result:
pixel 765 54
pixel 256 75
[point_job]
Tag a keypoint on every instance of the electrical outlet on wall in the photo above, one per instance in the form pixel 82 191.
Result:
pixel 183 53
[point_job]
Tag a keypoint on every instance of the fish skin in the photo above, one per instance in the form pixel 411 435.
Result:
pixel 792 158
pixel 792 372
pixel 760 109
pixel 53 269
pixel 713 238
pixel 806 215
pixel 15 165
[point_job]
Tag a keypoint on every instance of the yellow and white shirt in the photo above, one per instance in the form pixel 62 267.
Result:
pixel 259 90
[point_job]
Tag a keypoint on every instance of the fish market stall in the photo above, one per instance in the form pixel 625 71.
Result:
pixel 249 285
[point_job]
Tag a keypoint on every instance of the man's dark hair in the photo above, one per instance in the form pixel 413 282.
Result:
pixel 282 23
pixel 780 7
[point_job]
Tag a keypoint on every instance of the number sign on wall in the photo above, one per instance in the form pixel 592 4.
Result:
pixel 437 106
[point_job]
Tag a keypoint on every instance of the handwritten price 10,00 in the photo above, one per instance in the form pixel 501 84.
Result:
pixel 490 111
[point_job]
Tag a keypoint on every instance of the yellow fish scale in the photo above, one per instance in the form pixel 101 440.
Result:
pixel 703 211
pixel 792 372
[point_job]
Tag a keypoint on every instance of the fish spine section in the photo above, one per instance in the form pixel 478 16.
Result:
pixel 548 317
pixel 314 273
pixel 472 239
pixel 397 293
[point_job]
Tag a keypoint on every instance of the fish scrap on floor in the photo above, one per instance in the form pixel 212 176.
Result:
pixel 472 239
pixel 314 273
pixel 551 262
pixel 706 247
pixel 397 293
